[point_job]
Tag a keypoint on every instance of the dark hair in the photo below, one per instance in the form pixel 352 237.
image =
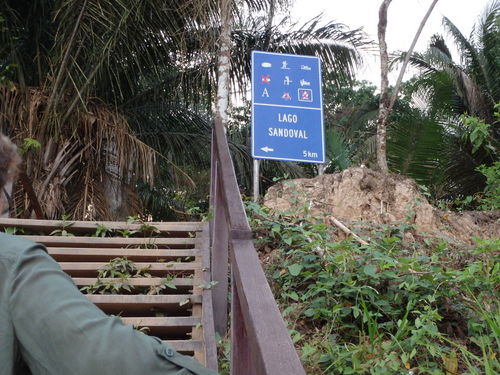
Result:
pixel 9 160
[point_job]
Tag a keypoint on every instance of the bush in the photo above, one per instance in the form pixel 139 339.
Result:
pixel 390 307
pixel 491 199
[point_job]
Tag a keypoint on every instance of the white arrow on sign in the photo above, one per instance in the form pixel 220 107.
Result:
pixel 267 149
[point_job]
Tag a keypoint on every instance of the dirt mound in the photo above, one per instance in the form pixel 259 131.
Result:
pixel 363 195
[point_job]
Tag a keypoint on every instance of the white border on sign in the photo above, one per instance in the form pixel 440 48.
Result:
pixel 274 105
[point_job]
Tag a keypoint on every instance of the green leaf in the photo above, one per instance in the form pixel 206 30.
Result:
pixel 277 274
pixel 310 313
pixel 356 311
pixel 370 270
pixel 294 296
pixel 307 351
pixel 295 269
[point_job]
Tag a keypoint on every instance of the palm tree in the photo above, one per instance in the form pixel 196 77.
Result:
pixel 114 90
pixel 82 69
pixel 432 145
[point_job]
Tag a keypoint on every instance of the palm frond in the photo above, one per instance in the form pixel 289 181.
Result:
pixel 338 47
pixel 488 40
pixel 468 53
pixel 414 147
pixel 102 146
pixel 337 151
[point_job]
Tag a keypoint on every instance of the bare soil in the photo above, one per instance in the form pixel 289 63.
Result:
pixel 361 195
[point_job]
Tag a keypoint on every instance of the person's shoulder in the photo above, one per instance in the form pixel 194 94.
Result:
pixel 11 247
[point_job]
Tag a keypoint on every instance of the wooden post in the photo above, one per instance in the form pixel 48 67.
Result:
pixel 273 351
pixel 208 315
pixel 213 177
pixel 220 259
pixel 241 357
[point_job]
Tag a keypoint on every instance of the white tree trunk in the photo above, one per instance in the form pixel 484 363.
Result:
pixel 269 26
pixel 219 268
pixel 386 103
pixel 383 110
pixel 224 64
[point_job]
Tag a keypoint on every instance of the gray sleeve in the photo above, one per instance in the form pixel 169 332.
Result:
pixel 62 333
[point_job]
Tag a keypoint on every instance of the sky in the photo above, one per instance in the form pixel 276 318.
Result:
pixel 404 17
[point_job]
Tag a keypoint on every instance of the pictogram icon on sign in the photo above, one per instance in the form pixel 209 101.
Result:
pixel 266 79
pixel 284 65
pixel 305 95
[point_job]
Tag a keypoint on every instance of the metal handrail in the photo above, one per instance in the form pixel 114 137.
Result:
pixel 260 341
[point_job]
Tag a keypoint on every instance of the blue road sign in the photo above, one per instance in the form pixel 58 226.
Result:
pixel 287 108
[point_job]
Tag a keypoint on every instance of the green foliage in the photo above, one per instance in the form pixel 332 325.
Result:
pixel 152 70
pixel 337 150
pixel 13 230
pixel 383 308
pixel 132 219
pixel 65 224
pixel 350 110
pixel 30 144
pixel 119 286
pixel 223 354
pixel 114 278
pixel 209 285
pixel 102 231
pixel 477 131
pixel 120 267
pixel 165 284
pixel 148 230
pixel 452 129
pixel 5 74
pixel 491 198
pixel 198 214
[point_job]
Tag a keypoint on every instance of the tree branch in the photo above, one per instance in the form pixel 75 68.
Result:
pixel 408 55
pixel 347 231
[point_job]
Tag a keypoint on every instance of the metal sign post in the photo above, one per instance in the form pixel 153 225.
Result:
pixel 256 180
pixel 287 108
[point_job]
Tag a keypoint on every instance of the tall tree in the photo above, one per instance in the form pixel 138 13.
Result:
pixel 471 85
pixel 122 91
pixel 383 110
pixel 224 63
pixel 387 103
